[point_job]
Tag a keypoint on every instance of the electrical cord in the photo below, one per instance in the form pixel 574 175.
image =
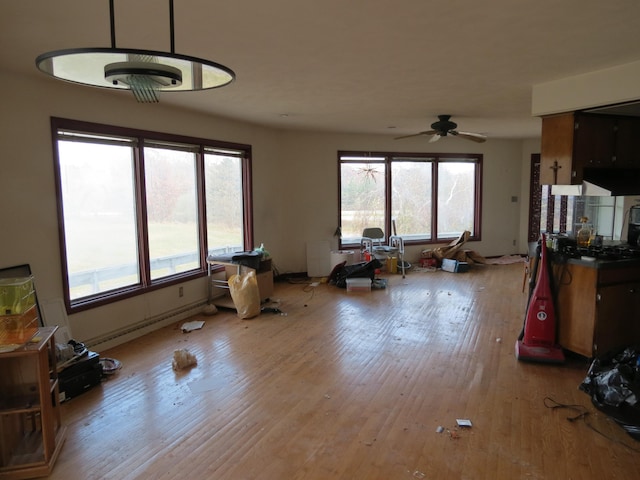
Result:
pixel 581 413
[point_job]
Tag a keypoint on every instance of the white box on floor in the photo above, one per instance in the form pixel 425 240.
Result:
pixel 449 265
pixel 358 284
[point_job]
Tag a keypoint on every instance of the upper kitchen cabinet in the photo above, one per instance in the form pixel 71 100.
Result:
pixel 595 141
pixel 574 141
pixel 556 158
pixel 628 142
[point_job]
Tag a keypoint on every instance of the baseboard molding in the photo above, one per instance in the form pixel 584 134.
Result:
pixel 132 332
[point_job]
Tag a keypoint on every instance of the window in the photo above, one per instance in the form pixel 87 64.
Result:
pixel 425 198
pixel 139 210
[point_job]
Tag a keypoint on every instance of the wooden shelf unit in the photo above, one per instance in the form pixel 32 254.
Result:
pixel 31 429
pixel 219 288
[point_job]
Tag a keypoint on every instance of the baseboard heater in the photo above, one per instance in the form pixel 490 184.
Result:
pixel 131 332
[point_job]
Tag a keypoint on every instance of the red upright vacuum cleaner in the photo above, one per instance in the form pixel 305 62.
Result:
pixel 537 342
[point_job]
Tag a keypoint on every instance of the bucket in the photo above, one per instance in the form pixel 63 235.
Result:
pixel 392 265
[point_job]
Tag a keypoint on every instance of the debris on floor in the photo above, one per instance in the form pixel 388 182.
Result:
pixel 192 325
pixel 270 310
pixel 182 359
pixel 454 251
pixel 110 365
pixel 463 422
pixel 210 309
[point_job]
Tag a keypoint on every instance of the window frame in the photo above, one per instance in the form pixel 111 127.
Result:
pixel 140 139
pixel 388 158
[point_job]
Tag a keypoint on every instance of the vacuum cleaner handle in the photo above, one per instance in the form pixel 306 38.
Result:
pixel 533 278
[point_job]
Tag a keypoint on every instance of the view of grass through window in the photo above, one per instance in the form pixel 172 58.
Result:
pixel 109 233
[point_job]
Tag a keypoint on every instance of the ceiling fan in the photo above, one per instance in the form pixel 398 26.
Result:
pixel 444 127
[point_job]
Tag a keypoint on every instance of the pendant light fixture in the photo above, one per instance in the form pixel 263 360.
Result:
pixel 144 72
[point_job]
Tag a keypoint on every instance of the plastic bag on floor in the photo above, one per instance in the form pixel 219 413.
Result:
pixel 245 294
pixel 358 270
pixel 613 382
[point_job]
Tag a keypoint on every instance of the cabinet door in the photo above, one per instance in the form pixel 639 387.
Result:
pixel 617 324
pixel 594 142
pixel 576 309
pixel 556 154
pixel 628 142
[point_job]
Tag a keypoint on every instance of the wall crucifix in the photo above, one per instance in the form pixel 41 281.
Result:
pixel 555 169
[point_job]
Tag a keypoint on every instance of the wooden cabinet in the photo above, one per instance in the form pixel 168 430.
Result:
pixel 628 142
pixel 572 142
pixel 30 426
pixel 597 309
pixel 219 287
pixel 617 308
pixel 556 158
pixel 595 141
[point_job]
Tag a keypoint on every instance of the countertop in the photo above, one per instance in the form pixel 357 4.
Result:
pixel 596 263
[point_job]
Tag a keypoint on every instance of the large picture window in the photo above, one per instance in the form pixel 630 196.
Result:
pixel 140 210
pixel 425 198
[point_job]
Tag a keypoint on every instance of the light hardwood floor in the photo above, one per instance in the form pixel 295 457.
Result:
pixel 347 386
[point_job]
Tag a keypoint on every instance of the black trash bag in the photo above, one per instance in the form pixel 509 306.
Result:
pixel 357 270
pixel 613 383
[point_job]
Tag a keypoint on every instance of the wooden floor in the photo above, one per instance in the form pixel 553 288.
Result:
pixel 348 386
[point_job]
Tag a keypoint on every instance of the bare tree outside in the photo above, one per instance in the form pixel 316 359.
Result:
pixel 414 205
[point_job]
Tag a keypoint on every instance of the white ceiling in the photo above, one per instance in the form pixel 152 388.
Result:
pixel 356 66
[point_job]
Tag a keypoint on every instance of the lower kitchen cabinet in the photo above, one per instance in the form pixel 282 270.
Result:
pixel 598 309
pixel 617 311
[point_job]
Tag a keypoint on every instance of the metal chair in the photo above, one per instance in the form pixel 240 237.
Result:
pixel 372 241
pixel 371 237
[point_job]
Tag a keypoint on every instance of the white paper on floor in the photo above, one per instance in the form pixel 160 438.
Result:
pixel 192 325
pixel 207 384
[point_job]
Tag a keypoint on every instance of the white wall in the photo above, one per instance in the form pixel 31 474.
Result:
pixel 311 160
pixel 295 187
pixel 608 86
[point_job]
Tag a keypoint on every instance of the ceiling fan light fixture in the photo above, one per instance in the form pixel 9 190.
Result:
pixel 162 76
pixel 445 127
pixel 144 79
pixel 144 72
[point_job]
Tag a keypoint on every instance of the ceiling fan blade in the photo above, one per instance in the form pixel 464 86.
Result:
pixel 474 137
pixel 427 132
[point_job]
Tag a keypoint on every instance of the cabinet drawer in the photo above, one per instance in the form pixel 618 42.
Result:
pixel 609 276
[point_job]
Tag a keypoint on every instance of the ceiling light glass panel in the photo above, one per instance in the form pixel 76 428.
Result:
pixel 87 66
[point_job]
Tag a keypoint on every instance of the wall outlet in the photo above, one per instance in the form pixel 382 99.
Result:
pixel 181 291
